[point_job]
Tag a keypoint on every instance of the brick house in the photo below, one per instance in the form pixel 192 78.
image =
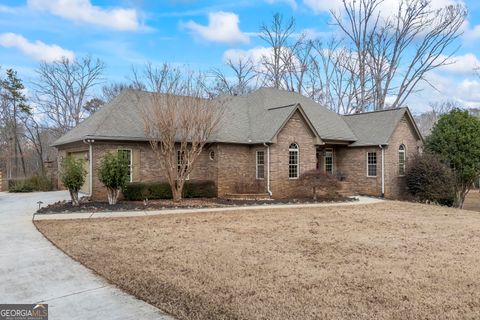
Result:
pixel 266 141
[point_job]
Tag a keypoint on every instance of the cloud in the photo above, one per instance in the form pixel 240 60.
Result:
pixel 7 9
pixel 222 27
pixel 291 3
pixel 38 50
pixel 83 11
pixel 258 56
pixel 462 65
pixel 471 34
pixel 464 90
pixel 387 7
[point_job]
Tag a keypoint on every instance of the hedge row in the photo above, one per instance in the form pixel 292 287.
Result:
pixel 37 182
pixel 137 191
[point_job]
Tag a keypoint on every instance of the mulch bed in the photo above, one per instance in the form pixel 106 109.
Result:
pixel 98 206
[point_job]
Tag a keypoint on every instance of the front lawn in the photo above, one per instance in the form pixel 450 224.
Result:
pixel 390 260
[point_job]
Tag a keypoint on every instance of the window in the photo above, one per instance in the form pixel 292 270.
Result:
pixel 260 164
pixel 328 160
pixel 211 155
pixel 127 155
pixel 180 159
pixel 372 164
pixel 293 161
pixel 401 160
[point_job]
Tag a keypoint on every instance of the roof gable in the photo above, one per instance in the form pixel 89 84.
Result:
pixel 376 128
pixel 294 109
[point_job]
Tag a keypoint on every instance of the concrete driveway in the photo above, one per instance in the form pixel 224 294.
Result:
pixel 32 270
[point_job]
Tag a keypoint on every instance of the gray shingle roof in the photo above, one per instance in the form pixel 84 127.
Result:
pixel 257 117
pixel 375 128
pixel 254 118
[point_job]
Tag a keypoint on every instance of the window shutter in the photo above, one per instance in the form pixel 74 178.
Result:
pixel 136 165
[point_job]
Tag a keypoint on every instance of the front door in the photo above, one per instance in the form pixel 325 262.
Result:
pixel 325 161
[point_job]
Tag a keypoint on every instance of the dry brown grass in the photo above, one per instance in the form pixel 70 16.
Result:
pixel 472 201
pixel 384 261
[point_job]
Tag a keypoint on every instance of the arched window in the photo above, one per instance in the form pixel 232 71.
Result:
pixel 401 160
pixel 293 161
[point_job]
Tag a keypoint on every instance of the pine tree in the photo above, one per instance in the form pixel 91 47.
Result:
pixel 17 106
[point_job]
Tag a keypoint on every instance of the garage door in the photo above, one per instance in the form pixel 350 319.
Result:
pixel 83 156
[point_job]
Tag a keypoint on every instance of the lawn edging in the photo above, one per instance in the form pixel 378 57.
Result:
pixel 139 213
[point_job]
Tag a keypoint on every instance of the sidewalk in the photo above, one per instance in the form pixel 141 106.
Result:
pixel 118 214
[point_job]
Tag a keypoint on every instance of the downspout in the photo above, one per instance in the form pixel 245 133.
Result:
pixel 383 170
pixel 268 168
pixel 90 163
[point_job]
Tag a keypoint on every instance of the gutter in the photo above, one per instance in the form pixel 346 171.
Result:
pixel 383 170
pixel 90 163
pixel 268 168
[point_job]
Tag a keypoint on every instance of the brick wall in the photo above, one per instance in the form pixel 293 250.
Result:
pixel 145 164
pixel 352 164
pixel 404 134
pixel 296 131
pixel 237 169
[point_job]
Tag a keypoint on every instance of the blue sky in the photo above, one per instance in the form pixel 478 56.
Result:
pixel 198 33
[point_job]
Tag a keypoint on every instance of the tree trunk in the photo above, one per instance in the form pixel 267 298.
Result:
pixel 112 195
pixel 177 194
pixel 22 158
pixel 74 196
pixel 460 195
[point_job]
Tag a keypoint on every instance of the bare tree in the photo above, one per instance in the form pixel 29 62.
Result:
pixel 63 89
pixel 240 83
pixel 275 66
pixel 112 90
pixel 179 121
pixel 425 121
pixel 394 54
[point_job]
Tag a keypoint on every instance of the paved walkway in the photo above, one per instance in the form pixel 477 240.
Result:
pixel 113 214
pixel 32 270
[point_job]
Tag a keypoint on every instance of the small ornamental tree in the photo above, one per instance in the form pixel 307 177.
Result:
pixel 456 139
pixel 319 180
pixel 113 173
pixel 72 175
pixel 428 179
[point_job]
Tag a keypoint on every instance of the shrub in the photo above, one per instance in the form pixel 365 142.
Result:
pixel 319 180
pixel 20 186
pixel 40 182
pixel 113 173
pixel 455 139
pixel 199 189
pixel 37 182
pixel 72 175
pixel 159 191
pixel 428 179
pixel 137 191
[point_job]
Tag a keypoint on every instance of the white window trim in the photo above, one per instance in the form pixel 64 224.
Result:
pixel 131 161
pixel 404 151
pixel 257 165
pixel 298 161
pixel 376 165
pixel 325 162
